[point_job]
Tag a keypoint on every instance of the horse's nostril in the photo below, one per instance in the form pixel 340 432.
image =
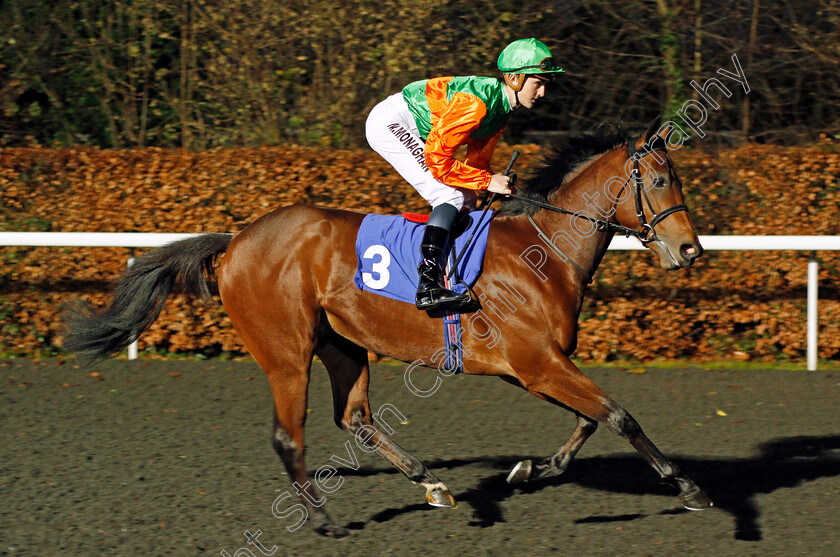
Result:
pixel 691 251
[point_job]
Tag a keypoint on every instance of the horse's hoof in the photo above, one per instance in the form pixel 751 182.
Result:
pixel 520 473
pixel 439 497
pixel 333 531
pixel 696 500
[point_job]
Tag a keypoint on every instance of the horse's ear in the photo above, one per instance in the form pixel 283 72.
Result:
pixel 666 129
pixel 653 129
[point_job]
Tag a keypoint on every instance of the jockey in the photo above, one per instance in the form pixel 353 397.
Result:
pixel 419 129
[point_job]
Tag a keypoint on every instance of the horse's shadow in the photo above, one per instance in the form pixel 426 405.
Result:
pixel 732 483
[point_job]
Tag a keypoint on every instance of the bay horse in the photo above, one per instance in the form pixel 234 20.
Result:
pixel 286 281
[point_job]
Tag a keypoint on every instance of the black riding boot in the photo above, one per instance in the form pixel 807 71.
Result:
pixel 430 292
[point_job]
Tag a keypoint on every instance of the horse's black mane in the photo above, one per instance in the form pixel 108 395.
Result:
pixel 563 158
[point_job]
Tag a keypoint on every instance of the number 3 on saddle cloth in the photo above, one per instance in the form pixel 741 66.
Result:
pixel 388 252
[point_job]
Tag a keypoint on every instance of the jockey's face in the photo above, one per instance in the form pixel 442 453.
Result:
pixel 532 89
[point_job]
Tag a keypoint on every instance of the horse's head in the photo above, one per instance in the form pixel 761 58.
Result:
pixel 655 205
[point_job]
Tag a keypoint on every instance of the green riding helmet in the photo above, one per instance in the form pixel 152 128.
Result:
pixel 527 56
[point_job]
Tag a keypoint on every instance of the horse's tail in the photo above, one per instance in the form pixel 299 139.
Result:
pixel 139 295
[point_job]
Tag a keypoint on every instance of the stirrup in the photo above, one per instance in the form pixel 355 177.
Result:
pixel 440 298
pixel 431 294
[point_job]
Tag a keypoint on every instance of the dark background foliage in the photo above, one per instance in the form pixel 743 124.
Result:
pixel 206 73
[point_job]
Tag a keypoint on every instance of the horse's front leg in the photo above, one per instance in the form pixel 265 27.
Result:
pixel 692 497
pixel 556 464
pixel 568 386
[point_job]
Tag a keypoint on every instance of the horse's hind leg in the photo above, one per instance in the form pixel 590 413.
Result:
pixel 286 361
pixel 289 419
pixel 347 364
pixel 289 385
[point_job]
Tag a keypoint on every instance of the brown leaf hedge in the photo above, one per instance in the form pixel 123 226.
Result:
pixel 742 305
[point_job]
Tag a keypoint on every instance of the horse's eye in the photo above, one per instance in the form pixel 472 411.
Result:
pixel 659 183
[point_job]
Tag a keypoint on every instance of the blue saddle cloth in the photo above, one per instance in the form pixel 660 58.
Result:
pixel 388 252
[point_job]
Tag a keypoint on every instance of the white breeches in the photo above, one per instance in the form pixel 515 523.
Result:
pixel 392 132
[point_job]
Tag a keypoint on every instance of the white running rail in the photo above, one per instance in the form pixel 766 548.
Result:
pixel 811 244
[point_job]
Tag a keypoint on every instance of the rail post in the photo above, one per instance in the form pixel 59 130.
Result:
pixel 813 314
pixel 132 348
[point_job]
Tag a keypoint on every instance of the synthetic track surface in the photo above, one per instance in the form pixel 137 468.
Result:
pixel 140 462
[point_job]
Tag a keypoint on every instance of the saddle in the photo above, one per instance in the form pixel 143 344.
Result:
pixel 463 222
pixel 388 252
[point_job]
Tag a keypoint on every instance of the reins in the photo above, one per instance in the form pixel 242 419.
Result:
pixel 601 225
pixel 644 234
pixel 646 229
pixel 485 204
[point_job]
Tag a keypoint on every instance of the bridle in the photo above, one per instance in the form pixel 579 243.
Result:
pixel 647 229
pixel 646 232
